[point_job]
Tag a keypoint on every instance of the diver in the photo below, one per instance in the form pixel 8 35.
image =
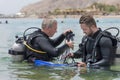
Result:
pixel 96 51
pixel 6 22
pixel 40 41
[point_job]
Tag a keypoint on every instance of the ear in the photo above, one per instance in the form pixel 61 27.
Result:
pixel 47 28
pixel 93 26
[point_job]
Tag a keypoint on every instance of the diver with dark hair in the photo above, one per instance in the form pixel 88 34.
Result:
pixel 96 50
pixel 44 47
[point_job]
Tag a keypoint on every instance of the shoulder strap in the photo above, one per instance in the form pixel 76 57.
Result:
pixel 29 45
pixel 95 44
pixel 105 34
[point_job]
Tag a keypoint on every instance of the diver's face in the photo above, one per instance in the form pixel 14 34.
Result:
pixel 53 30
pixel 86 29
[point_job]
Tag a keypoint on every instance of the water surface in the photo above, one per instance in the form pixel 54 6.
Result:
pixel 24 71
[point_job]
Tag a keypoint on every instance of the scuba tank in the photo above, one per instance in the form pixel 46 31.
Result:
pixel 17 51
pixel 117 59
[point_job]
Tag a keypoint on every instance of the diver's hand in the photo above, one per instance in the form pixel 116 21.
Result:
pixel 81 64
pixel 70 55
pixel 70 44
pixel 67 31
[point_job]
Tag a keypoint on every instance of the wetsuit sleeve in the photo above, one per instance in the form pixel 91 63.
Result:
pixel 77 54
pixel 80 51
pixel 46 46
pixel 105 48
pixel 58 40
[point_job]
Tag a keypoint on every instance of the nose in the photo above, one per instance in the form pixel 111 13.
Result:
pixel 83 31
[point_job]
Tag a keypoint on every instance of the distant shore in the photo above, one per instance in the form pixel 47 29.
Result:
pixel 107 16
pixel 78 16
pixel 63 16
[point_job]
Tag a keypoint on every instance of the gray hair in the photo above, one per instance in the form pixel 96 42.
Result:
pixel 48 23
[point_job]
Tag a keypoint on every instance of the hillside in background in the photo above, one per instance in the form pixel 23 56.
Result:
pixel 71 7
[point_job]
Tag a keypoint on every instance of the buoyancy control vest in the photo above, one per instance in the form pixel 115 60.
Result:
pixel 114 40
pixel 30 40
pixel 18 50
pixel 114 45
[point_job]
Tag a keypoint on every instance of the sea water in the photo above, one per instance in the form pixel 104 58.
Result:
pixel 23 71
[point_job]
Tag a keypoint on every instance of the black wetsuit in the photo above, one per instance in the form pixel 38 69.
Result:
pixel 40 41
pixel 103 54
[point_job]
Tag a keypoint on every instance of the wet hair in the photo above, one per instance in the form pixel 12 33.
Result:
pixel 87 19
pixel 48 23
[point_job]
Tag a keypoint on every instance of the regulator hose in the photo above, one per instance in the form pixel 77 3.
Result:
pixel 24 33
pixel 118 31
pixel 25 43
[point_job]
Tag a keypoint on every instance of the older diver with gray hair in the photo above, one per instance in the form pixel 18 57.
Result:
pixel 40 40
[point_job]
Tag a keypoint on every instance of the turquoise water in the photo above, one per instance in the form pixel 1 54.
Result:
pixel 24 71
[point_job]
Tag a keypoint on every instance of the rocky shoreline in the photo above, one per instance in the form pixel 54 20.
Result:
pixel 78 16
pixel 64 16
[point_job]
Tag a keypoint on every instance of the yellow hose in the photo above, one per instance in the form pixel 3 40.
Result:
pixel 32 48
